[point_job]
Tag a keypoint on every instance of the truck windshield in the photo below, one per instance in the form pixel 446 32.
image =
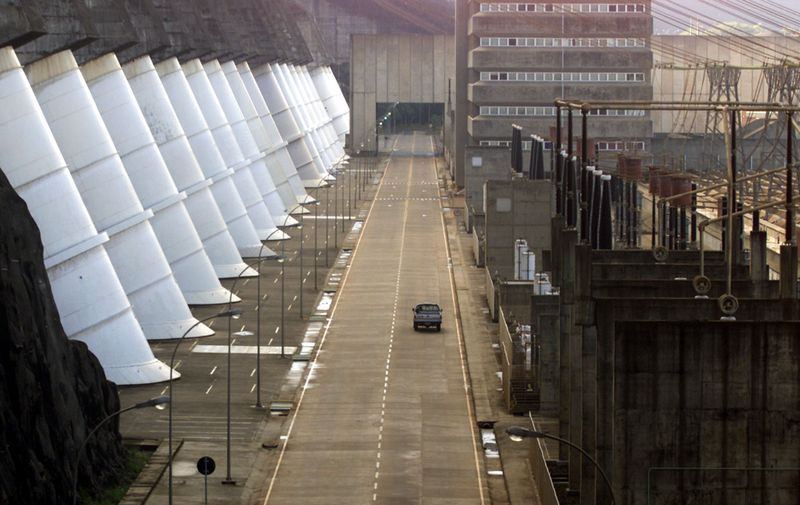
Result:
pixel 427 308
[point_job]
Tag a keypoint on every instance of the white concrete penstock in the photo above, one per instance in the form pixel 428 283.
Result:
pixel 303 118
pixel 229 148
pixel 152 182
pixel 299 147
pixel 333 100
pixel 210 159
pixel 258 167
pixel 322 121
pixel 327 122
pixel 278 145
pixel 185 171
pixel 109 197
pixel 91 302
pixel 261 143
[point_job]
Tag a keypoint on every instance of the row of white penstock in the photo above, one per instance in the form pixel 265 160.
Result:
pixel 149 183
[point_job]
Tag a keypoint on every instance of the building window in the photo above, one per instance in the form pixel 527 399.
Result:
pixel 623 8
pixel 620 145
pixel 549 111
pixel 563 76
pixel 526 144
pixel 561 42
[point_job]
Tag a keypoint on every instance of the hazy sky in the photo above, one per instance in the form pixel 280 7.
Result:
pixel 661 8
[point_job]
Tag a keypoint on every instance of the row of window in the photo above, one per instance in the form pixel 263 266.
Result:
pixel 564 76
pixel 526 144
pixel 545 111
pixel 563 7
pixel 620 146
pixel 605 146
pixel 560 42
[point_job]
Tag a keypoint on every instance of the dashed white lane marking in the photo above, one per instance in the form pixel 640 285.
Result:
pixel 393 324
pixel 285 438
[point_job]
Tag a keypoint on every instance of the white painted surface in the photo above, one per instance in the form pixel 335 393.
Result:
pixel 152 182
pixel 263 144
pixel 241 131
pixel 185 171
pixel 229 148
pixel 278 145
pixel 109 196
pixel 91 301
pixel 299 149
pixel 210 159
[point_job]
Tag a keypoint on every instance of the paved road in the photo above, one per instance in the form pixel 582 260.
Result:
pixel 384 416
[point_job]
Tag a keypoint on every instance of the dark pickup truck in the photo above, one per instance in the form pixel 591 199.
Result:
pixel 428 315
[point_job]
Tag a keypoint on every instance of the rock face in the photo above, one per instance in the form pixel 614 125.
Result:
pixel 52 390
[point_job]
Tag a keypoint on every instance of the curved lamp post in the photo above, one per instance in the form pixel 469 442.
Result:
pixel 517 433
pixel 152 402
pixel 282 261
pixel 231 313
pixel 228 478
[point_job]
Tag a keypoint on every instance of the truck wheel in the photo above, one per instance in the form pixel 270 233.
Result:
pixel 439 327
pixel 415 327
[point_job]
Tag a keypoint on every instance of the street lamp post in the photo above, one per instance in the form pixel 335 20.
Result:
pixel 282 260
pixel 258 404
pixel 152 402
pixel 327 218
pixel 230 313
pixel 517 433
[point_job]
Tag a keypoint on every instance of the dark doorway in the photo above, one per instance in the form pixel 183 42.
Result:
pixel 406 117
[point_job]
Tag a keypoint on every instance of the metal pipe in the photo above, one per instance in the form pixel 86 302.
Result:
pixel 731 196
pixel 556 156
pixel 790 224
pixel 724 184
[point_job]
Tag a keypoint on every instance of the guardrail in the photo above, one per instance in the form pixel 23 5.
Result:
pixel 541 474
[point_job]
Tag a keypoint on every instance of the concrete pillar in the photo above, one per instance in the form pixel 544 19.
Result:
pixel 229 148
pixel 90 299
pixel 184 169
pixel 556 226
pixel 277 151
pixel 462 79
pixel 111 199
pixel 568 410
pixel 789 271
pixel 758 257
pixel 207 154
pixel 152 182
pixel 584 321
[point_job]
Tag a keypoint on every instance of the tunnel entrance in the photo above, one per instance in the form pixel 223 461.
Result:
pixel 406 117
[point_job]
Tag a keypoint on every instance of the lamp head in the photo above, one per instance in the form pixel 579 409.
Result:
pixel 158 402
pixel 232 313
pixel 517 433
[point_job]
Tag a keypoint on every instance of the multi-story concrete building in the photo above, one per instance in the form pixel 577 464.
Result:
pixel 522 56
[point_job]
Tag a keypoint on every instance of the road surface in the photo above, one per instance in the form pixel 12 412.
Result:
pixel 385 416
